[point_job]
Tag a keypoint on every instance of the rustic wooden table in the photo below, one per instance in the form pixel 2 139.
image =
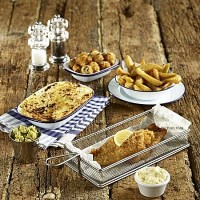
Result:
pixel 158 30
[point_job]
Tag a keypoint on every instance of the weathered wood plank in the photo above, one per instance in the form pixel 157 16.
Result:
pixel 132 39
pixel 36 81
pixel 6 160
pixel 83 37
pixel 14 83
pixel 124 27
pixel 24 182
pixel 13 86
pixel 20 21
pixel 50 8
pixel 140 38
pixel 110 33
pixel 180 24
pixel 21 180
pixel 5 17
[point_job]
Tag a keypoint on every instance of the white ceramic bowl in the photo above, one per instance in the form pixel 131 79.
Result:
pixel 151 190
pixel 143 95
pixel 89 77
pixel 52 124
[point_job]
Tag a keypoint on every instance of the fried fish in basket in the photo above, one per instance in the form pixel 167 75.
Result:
pixel 109 152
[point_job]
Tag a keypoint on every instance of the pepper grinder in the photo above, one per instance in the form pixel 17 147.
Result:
pixel 38 43
pixel 58 36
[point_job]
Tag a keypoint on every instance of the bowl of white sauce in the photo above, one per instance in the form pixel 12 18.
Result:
pixel 152 181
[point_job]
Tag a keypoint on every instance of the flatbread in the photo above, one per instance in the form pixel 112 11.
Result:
pixel 55 101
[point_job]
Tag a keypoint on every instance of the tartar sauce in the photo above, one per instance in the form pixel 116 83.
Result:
pixel 152 175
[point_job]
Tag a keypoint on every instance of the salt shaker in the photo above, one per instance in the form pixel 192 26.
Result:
pixel 58 36
pixel 38 42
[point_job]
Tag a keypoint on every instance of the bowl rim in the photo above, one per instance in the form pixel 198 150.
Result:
pixel 138 181
pixel 131 89
pixel 67 68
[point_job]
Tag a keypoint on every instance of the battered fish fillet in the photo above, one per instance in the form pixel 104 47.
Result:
pixel 109 152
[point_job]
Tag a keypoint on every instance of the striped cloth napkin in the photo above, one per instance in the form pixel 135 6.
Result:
pixel 63 134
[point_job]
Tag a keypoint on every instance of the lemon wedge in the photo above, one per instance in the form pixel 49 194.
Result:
pixel 121 136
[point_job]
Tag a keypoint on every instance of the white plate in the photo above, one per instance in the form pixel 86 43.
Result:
pixel 90 77
pixel 172 94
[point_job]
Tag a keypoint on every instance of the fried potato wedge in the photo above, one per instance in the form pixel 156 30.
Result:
pixel 149 78
pixel 143 87
pixel 165 68
pixel 121 71
pixel 129 63
pixel 176 79
pixel 145 76
pixel 166 75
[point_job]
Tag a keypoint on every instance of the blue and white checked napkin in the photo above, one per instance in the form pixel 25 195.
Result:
pixel 63 134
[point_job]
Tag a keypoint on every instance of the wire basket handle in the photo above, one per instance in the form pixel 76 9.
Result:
pixel 56 161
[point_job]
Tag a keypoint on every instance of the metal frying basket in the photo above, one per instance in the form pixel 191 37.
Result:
pixel 127 166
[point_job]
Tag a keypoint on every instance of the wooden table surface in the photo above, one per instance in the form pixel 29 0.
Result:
pixel 159 30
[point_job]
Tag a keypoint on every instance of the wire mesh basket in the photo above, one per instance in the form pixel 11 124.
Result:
pixel 127 166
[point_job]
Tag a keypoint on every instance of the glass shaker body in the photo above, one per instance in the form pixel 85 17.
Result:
pixel 58 50
pixel 39 58
pixel 58 37
pixel 38 43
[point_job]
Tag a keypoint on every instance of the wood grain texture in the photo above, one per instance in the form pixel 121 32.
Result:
pixel 182 49
pixel 156 30
pixel 5 17
pixel 140 38
pixel 84 36
pixel 29 11
pixel 13 86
